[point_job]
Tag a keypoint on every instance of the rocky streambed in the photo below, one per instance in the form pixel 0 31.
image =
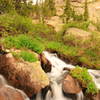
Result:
pixel 47 79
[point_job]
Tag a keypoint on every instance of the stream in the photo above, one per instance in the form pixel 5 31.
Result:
pixel 56 75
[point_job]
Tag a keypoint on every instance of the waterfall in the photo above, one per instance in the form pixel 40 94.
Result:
pixel 37 1
pixel 95 76
pixel 56 75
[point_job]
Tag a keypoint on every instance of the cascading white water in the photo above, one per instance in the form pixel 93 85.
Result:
pixel 56 75
pixel 96 77
pixel 37 1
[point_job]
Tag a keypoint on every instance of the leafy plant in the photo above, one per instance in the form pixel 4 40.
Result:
pixel 82 75
pixel 91 88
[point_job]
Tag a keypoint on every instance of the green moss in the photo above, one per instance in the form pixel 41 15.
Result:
pixel 85 79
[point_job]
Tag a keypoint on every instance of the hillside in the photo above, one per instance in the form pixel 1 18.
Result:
pixel 40 43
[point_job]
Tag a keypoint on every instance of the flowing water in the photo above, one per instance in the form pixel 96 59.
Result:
pixel 57 74
pixel 37 1
pixel 55 92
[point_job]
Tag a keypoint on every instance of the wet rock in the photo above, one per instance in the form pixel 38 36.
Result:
pixel 7 92
pixel 70 85
pixel 93 97
pixel 26 76
pixel 46 65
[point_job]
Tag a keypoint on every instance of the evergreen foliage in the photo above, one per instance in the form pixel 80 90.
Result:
pixel 86 15
pixel 6 6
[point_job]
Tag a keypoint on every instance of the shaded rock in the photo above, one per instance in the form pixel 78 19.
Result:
pixel 91 27
pixel 93 97
pixel 26 76
pixel 46 65
pixel 82 1
pixel 96 97
pixel 70 85
pixel 9 93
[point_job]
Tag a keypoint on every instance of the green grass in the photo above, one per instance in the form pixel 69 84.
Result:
pixel 61 48
pixel 43 31
pixel 23 41
pixel 81 25
pixel 25 55
pixel 82 75
pixel 88 49
pixel 82 54
pixel 15 24
pixel 42 28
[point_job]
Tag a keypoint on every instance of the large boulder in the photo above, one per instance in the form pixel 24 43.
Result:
pixel 70 85
pixel 26 76
pixel 8 92
pixel 55 22
pixel 76 34
pixel 94 11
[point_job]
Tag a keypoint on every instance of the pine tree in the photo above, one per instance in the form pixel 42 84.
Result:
pixel 67 11
pixel 86 14
pixel 6 6
pixel 49 8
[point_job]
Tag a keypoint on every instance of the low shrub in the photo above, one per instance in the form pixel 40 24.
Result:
pixel 15 24
pixel 6 6
pixel 43 31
